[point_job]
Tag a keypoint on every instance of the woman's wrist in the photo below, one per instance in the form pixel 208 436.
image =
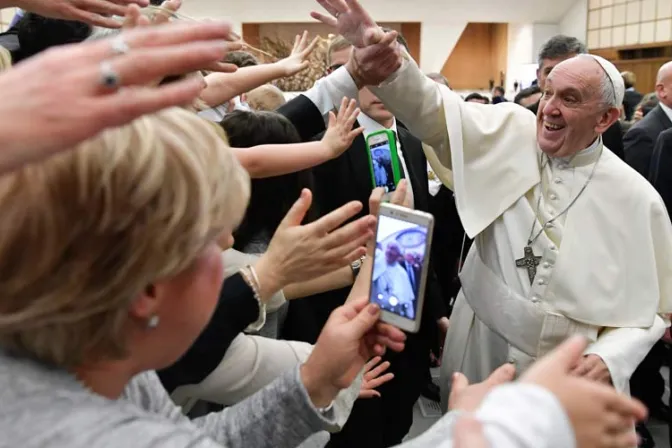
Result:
pixel 270 282
pixel 321 392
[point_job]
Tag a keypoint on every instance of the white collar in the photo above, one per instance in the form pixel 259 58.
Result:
pixel 667 110
pixel 370 125
pixel 583 157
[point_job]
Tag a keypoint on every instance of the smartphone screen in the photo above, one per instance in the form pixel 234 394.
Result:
pixel 381 158
pixel 401 248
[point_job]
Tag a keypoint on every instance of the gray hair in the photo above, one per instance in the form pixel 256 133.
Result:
pixel 561 46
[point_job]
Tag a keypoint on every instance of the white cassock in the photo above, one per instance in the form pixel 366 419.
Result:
pixel 606 266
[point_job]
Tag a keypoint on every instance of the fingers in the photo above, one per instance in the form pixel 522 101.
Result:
pixel 375 200
pixel 115 110
pixel 370 365
pixel 625 439
pixel 334 219
pixel 310 48
pixel 460 382
pixel 369 393
pixel 105 7
pixel 349 237
pixel 297 213
pixel 327 20
pixel 380 380
pixel 364 321
pixel 375 372
pixel 302 41
pixel 332 120
pixel 400 194
pixel 146 65
pixel 625 405
pixel 170 7
pixel 95 19
pixel 131 17
pixel 503 374
pixel 562 359
pixel 468 433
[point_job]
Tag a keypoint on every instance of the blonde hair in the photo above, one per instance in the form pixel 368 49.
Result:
pixel 5 59
pixel 266 98
pixel 86 231
pixel 338 43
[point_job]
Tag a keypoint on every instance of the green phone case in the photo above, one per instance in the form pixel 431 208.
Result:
pixel 396 166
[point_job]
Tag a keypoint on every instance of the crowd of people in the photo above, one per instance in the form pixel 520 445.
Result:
pixel 187 257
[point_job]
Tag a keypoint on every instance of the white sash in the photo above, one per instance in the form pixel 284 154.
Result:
pixel 527 326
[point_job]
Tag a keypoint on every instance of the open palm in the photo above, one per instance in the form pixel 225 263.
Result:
pixel 350 19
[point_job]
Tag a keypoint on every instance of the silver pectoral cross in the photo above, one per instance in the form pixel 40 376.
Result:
pixel 529 261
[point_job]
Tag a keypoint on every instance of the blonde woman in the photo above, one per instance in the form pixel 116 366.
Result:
pixel 5 59
pixel 110 268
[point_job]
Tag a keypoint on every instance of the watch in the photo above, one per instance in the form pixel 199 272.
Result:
pixel 356 266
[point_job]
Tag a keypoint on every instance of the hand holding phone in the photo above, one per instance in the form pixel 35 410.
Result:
pixel 400 265
pixel 384 160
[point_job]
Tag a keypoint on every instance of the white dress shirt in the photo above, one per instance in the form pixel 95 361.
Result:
pixel 327 94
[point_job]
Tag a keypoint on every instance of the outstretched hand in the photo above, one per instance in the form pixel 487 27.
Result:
pixel 92 12
pixel 303 252
pixel 298 60
pixel 340 133
pixel 374 376
pixel 601 416
pixel 351 21
pixel 45 95
pixel 349 339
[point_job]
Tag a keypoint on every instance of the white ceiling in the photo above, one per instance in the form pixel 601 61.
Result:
pixel 436 11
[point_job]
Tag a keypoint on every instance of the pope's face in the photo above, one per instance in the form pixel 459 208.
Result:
pixel 571 111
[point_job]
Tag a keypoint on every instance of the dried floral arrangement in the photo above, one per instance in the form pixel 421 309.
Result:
pixel 276 48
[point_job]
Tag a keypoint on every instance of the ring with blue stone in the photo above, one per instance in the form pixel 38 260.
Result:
pixel 108 77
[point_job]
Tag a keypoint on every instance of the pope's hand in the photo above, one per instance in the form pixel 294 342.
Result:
pixel 592 367
pixel 349 339
pixel 351 20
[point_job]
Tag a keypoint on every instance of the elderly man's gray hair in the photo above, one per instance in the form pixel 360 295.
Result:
pixel 561 46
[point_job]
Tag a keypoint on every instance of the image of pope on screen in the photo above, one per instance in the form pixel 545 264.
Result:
pixel 397 268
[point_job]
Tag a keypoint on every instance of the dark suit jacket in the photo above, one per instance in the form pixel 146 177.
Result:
pixel 612 137
pixel 341 180
pixel 660 174
pixel 630 101
pixel 347 178
pixel 641 138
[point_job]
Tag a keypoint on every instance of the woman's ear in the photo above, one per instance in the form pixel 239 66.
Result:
pixel 146 305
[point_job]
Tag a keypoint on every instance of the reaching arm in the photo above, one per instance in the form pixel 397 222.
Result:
pixel 334 280
pixel 222 87
pixel 512 416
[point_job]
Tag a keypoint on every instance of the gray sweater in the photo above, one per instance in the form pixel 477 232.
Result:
pixel 48 408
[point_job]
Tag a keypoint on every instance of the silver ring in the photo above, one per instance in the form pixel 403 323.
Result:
pixel 119 46
pixel 108 77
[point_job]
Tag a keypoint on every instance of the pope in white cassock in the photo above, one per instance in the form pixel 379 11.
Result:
pixel 568 238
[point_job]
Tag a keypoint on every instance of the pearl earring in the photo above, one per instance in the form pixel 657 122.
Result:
pixel 153 322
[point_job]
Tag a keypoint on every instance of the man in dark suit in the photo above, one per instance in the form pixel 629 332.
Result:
pixel 554 51
pixel 376 422
pixel 641 139
pixel 632 97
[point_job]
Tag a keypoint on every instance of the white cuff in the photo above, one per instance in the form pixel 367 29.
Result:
pixel 328 92
pixel 528 414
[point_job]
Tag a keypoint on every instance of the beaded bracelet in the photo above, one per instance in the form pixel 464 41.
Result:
pixel 251 278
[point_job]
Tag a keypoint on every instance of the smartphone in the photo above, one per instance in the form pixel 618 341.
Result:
pixel 400 265
pixel 384 160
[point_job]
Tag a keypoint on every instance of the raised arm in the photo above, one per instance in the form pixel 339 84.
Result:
pixel 222 87
pixel 275 160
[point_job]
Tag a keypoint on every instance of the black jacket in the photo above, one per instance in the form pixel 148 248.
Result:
pixel 641 139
